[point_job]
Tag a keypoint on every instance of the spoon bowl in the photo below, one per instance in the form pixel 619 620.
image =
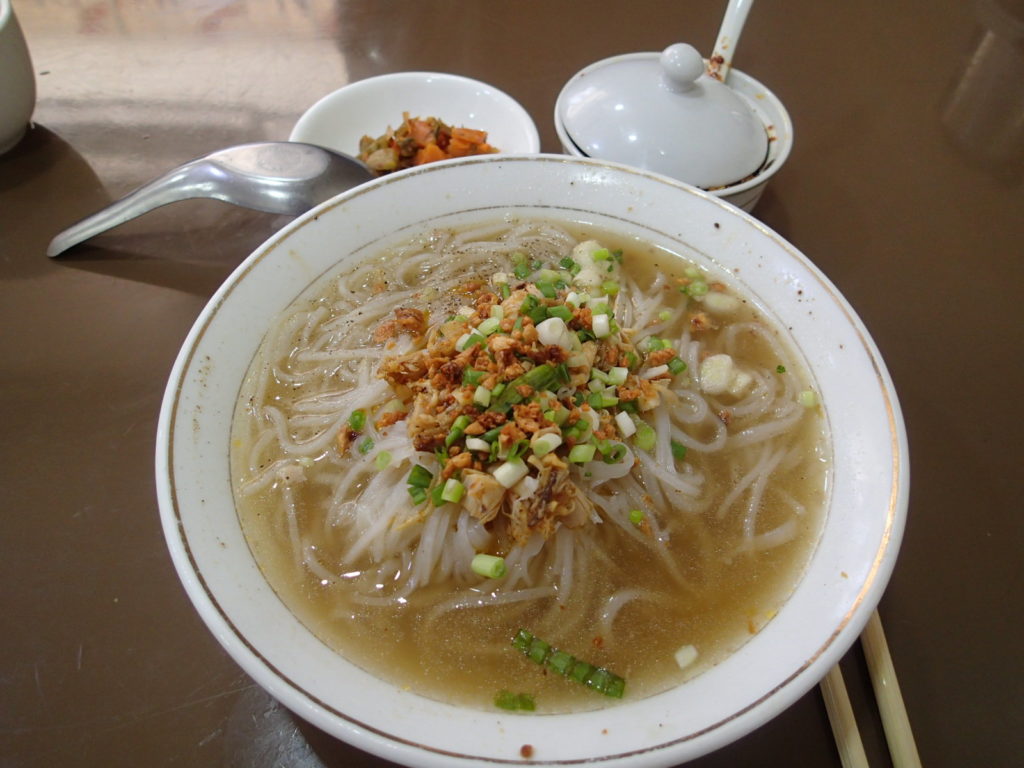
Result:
pixel 271 176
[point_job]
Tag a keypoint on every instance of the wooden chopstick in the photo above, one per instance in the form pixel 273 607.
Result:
pixel 842 720
pixel 898 733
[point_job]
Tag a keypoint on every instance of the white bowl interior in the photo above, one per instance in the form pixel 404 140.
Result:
pixel 368 107
pixel 823 617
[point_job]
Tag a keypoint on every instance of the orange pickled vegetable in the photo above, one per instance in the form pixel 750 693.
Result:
pixel 418 141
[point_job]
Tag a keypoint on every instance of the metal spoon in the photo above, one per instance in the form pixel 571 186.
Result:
pixel 273 176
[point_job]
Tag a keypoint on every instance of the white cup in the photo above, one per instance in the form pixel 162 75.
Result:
pixel 17 81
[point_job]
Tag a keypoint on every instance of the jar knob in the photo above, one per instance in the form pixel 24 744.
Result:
pixel 681 65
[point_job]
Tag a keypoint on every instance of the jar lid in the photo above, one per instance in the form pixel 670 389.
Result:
pixel 664 113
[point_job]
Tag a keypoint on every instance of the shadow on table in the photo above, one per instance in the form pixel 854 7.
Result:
pixel 189 246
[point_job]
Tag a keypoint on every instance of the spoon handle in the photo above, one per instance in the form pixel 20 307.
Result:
pixel 180 184
pixel 728 38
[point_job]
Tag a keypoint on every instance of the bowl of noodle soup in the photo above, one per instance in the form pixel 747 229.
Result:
pixel 562 461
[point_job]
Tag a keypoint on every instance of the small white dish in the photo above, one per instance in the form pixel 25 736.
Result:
pixel 368 107
pixel 810 633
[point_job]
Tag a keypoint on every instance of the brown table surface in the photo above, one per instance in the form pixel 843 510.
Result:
pixel 904 186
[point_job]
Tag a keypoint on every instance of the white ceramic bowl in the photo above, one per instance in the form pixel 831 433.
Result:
pixel 765 104
pixel 822 618
pixel 368 107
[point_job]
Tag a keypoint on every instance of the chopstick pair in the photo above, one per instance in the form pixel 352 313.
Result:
pixel 895 722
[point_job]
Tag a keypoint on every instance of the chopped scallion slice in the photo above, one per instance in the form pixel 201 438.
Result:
pixel 617 375
pixel 678 450
pixel 581 454
pixel 453 490
pixel 807 398
pixel 596 678
pixel 646 437
pixel 510 472
pixel 419 495
pixel 546 443
pixel 560 311
pixel 382 459
pixel 477 444
pixel 365 446
pixel 482 396
pixel 357 420
pixel 601 325
pixel 488 566
pixel 676 366
pixel 610 287
pixel 420 476
pixel 625 424
pixel 489 326
pixel 514 701
pixel 636 516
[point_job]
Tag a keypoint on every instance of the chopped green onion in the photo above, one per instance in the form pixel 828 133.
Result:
pixel 458 429
pixel 601 254
pixel 521 271
pixel 393 406
pixel 602 400
pixel 596 678
pixel 477 444
pixel 511 472
pixel 616 454
pixel 538 378
pixel 665 315
pixel 678 450
pixel 676 366
pixel 497 312
pixel 601 325
pixel 482 396
pixel 419 495
pixel 420 476
pixel 506 291
pixel 645 437
pixel 610 287
pixel 365 446
pixel 632 360
pixel 492 434
pixel 546 443
pixel 780 369
pixel 357 420
pixel 581 454
pixel 488 566
pixel 636 516
pixel 521 640
pixel 617 375
pixel 807 398
pixel 514 701
pixel 653 343
pixel 547 288
pixel 489 326
pixel 561 311
pixel 498 389
pixel 471 377
pixel 697 288
pixel 382 459
pixel 560 661
pixel 453 490
pixel 437 495
pixel 625 424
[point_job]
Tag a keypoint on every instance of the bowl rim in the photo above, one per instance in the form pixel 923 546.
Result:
pixel 301 130
pixel 392 746
pixel 779 147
